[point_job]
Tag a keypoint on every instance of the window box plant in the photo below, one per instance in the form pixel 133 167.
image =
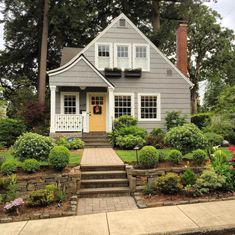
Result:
pixel 113 73
pixel 133 73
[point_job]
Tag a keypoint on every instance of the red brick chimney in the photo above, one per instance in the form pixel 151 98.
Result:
pixel 181 48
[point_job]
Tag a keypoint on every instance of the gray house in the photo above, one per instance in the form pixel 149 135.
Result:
pixel 86 97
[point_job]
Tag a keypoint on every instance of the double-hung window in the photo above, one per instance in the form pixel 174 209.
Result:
pixel 149 107
pixel 69 103
pixel 141 56
pixel 103 58
pixel 123 104
pixel 122 56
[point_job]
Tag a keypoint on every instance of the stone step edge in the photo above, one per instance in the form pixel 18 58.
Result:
pixel 104 190
pixel 97 181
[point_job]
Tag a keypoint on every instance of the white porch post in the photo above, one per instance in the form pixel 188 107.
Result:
pixel 53 107
pixel 111 108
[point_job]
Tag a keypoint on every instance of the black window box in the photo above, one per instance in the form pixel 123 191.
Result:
pixel 109 74
pixel 133 74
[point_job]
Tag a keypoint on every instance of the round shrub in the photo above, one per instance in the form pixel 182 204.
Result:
pixel 148 156
pixel 70 143
pixel 175 156
pixel 199 156
pixel 188 177
pixel 129 141
pixel 214 139
pixel 9 167
pixel 124 120
pixel 31 165
pixel 186 138
pixel 168 184
pixel 32 145
pixel 59 157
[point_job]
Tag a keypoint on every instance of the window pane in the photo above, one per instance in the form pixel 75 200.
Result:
pixel 148 108
pixel 70 104
pixel 122 105
pixel 103 56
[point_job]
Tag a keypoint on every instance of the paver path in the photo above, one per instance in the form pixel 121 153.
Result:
pixel 100 157
pixel 105 204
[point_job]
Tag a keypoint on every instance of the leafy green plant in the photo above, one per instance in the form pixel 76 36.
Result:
pixel 31 165
pixel 9 167
pixel 201 120
pixel 219 156
pixel 168 184
pixel 70 143
pixel 43 197
pixel 186 138
pixel 188 177
pixel 132 130
pixel 59 157
pixel 129 141
pixel 214 139
pixel 12 188
pixel 199 156
pixel 156 138
pixel 175 156
pixel 174 119
pixel 148 157
pixel 124 121
pixel 32 145
pixel 147 189
pixel 60 195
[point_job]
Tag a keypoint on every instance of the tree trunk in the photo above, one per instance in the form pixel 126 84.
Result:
pixel 194 100
pixel 156 16
pixel 43 56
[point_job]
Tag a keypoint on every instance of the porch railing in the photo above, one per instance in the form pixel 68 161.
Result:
pixel 68 122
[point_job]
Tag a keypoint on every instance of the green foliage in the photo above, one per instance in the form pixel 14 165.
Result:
pixel 11 188
pixel 186 138
pixel 124 121
pixel 156 138
pixel 174 119
pixel 32 145
pixel 9 167
pixel 31 165
pixel 219 156
pixel 59 157
pixel 43 197
pixel 188 177
pixel 201 120
pixel 60 195
pixel 147 189
pixel 168 184
pixel 10 129
pixel 214 139
pixel 70 143
pixel 175 156
pixel 148 157
pixel 129 141
pixel 132 130
pixel 199 156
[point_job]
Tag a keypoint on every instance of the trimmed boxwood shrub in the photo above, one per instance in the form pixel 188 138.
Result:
pixel 132 130
pixel 168 184
pixel 201 120
pixel 9 167
pixel 186 138
pixel 124 121
pixel 188 177
pixel 32 145
pixel 148 156
pixel 70 143
pixel 214 139
pixel 10 129
pixel 174 119
pixel 129 141
pixel 59 157
pixel 175 156
pixel 199 156
pixel 31 165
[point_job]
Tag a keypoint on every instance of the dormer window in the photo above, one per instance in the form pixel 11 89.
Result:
pixel 103 58
pixel 141 56
pixel 122 56
pixel 122 23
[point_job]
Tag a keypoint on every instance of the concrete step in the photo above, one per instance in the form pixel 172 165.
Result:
pixel 91 192
pixel 95 140
pixel 95 135
pixel 103 174
pixel 101 183
pixel 98 143
pixel 103 168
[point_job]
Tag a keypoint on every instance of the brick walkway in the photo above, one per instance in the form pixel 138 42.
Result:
pixel 100 157
pixel 105 204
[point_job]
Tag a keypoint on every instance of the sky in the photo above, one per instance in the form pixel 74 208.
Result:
pixel 226 8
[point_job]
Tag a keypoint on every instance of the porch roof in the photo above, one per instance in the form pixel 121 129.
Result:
pixel 80 73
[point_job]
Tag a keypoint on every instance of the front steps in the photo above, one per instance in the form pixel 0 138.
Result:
pixel 104 181
pixel 96 140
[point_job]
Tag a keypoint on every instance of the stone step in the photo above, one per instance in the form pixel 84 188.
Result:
pixel 97 143
pixel 94 140
pixel 103 174
pixel 91 192
pixel 95 135
pixel 102 168
pixel 104 183
pixel 97 146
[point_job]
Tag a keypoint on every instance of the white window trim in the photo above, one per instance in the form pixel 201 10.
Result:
pixel 147 55
pixel 110 54
pixel 129 53
pixel 158 107
pixel 62 94
pixel 132 95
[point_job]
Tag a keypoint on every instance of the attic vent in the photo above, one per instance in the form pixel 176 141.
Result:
pixel 169 72
pixel 122 23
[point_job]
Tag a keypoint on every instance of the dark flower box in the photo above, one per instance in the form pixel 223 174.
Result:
pixel 133 73
pixel 113 73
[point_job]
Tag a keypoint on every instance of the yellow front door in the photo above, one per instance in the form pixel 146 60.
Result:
pixel 97 108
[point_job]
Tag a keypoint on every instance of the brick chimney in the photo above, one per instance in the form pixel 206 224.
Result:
pixel 181 48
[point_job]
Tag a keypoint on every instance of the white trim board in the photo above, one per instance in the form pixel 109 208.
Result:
pixel 138 31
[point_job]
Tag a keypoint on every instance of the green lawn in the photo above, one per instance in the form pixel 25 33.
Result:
pixel 75 157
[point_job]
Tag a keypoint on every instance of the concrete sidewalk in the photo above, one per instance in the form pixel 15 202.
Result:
pixel 183 219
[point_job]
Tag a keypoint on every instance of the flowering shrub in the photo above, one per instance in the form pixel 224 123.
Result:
pixel 14 205
pixel 232 150
pixel 32 145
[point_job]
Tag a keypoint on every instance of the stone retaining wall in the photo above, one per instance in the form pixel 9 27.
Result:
pixel 140 177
